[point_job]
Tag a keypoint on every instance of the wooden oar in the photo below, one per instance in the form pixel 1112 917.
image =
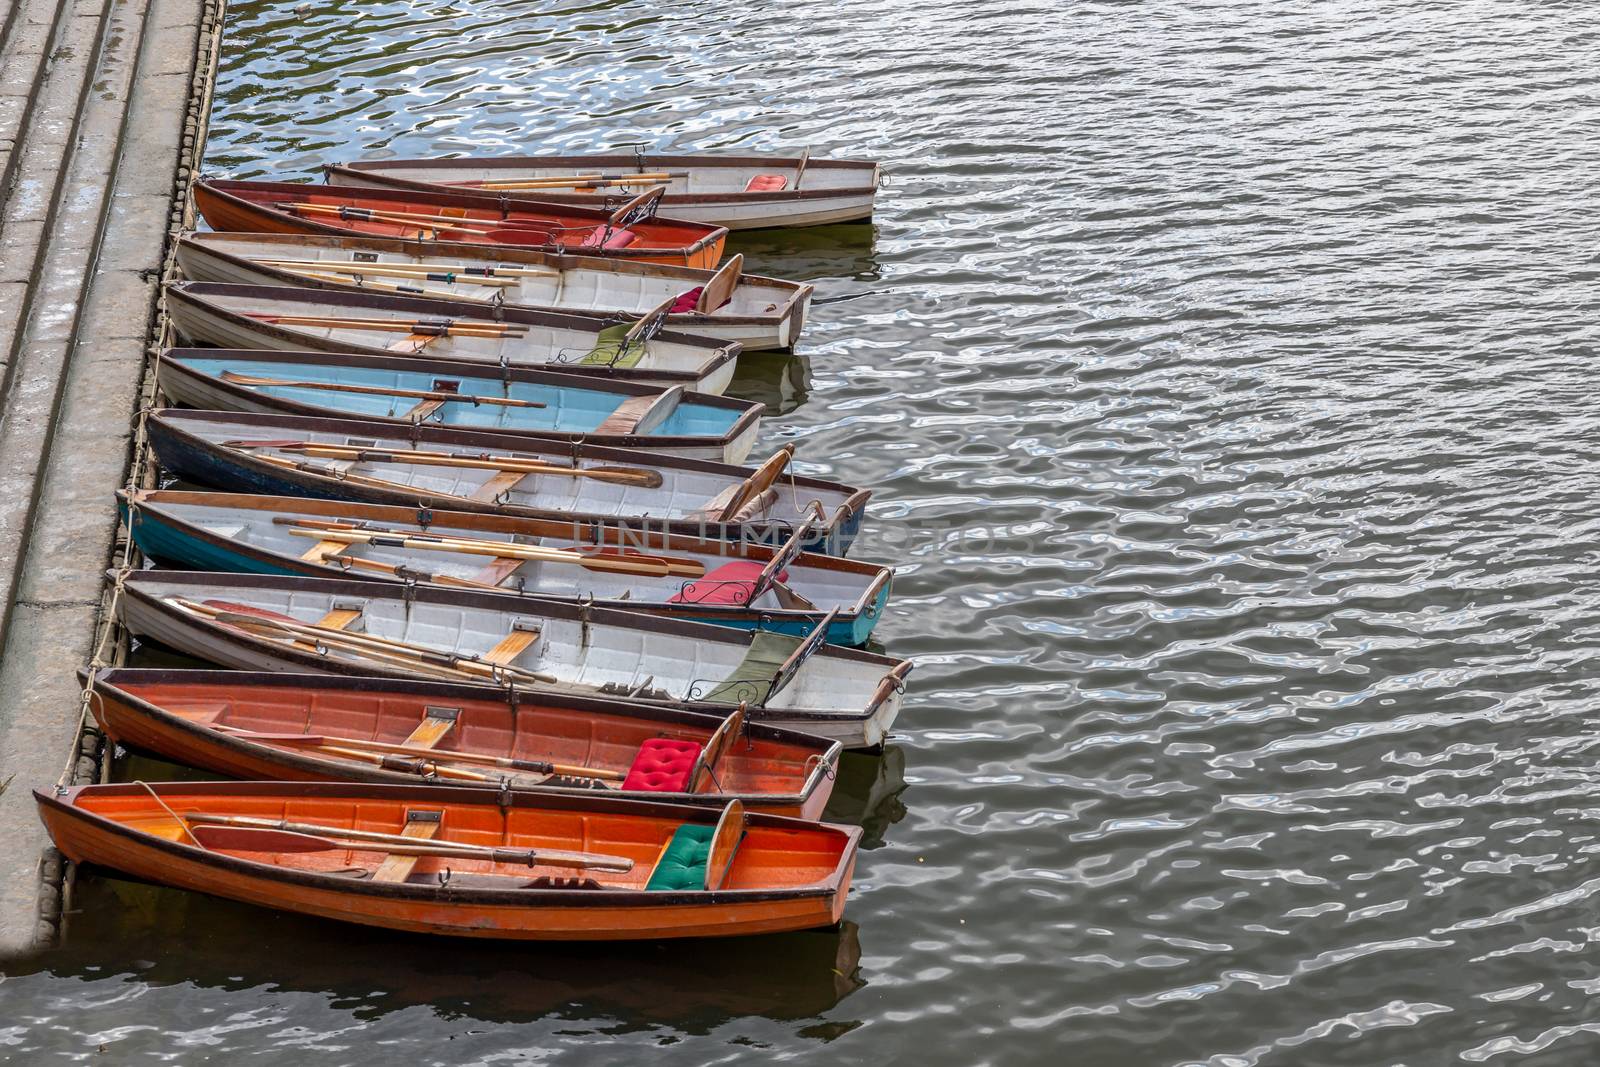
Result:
pixel 649 479
pixel 494 272
pixel 368 283
pixel 647 568
pixel 407 574
pixel 759 482
pixel 504 231
pixel 469 665
pixel 569 770
pixel 377 390
pixel 603 559
pixel 466 664
pixel 440 328
pixel 563 181
pixel 387 270
pixel 411 846
pixel 341 476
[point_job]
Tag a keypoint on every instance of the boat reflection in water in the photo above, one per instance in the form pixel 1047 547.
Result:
pixel 780 381
pixel 122 927
pixel 868 793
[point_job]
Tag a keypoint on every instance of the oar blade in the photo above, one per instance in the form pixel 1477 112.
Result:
pixel 250 839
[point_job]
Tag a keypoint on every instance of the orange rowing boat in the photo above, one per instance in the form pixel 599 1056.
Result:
pixel 441 860
pixel 292 727
pixel 439 220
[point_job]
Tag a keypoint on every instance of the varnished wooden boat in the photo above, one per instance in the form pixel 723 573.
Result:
pixel 740 192
pixel 706 580
pixel 484 219
pixel 290 727
pixel 254 453
pixel 441 860
pixel 265 622
pixel 517 402
pixel 759 313
pixel 286 318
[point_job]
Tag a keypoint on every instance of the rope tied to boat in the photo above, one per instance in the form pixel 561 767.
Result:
pixel 183 823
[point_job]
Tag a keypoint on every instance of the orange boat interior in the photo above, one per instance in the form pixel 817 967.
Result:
pixel 766 858
pixel 619 743
pixel 523 227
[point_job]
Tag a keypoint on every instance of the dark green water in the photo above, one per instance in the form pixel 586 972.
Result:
pixel 1226 373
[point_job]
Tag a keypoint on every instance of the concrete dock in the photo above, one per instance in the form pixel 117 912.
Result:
pixel 102 111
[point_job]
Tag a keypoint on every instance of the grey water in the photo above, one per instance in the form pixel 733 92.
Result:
pixel 1224 370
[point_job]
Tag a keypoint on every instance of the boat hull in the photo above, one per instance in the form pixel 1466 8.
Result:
pixel 86 837
pixel 839 191
pixel 191 457
pixel 186 386
pixel 223 211
pixel 220 257
pixel 143 611
pixel 118 701
pixel 198 316
pixel 178 545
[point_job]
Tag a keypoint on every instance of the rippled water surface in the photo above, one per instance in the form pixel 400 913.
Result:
pixel 1226 374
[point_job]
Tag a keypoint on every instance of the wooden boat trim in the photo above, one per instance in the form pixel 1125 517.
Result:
pixel 219 189
pixel 215 243
pixel 62 798
pixel 172 362
pixel 106 680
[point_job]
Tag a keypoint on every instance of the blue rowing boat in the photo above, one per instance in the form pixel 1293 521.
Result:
pixel 543 404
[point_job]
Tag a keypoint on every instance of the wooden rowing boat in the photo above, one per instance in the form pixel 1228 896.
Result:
pixel 740 192
pixel 441 220
pixel 707 580
pixel 759 313
pixel 266 622
pixel 518 402
pixel 289 727
pixel 241 452
pixel 286 318
pixel 441 860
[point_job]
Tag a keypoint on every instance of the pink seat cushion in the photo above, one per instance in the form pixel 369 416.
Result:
pixel 766 183
pixel 729 584
pixel 618 238
pixel 662 766
pixel 685 303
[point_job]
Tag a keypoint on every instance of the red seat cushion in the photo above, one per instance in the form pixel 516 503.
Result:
pixel 729 584
pixel 662 766
pixel 766 183
pixel 617 238
pixel 685 303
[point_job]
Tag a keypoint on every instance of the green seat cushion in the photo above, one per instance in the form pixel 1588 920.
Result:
pixel 683 865
pixel 750 678
pixel 608 343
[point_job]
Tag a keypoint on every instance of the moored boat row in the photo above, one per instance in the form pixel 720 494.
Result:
pixel 513 645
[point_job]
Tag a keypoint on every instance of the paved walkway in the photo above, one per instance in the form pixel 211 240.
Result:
pixel 94 127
